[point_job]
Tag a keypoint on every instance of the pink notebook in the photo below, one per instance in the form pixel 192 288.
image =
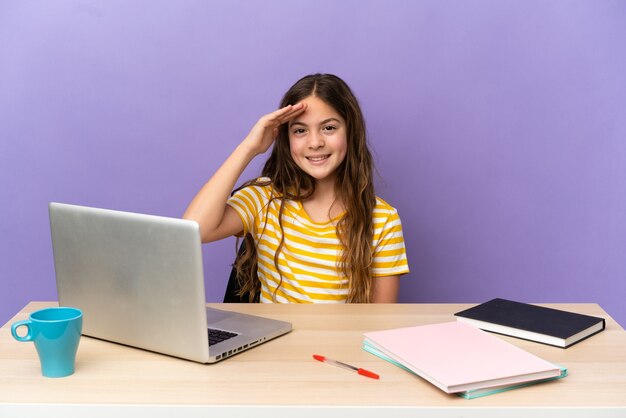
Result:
pixel 456 357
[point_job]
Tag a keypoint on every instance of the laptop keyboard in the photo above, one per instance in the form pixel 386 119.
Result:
pixel 218 335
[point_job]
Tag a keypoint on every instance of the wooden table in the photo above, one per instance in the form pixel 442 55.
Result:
pixel 280 378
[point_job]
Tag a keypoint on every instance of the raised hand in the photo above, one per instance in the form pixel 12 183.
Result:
pixel 208 208
pixel 265 131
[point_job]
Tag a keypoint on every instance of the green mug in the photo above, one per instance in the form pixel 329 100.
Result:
pixel 56 334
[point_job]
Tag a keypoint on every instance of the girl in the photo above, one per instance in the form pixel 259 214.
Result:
pixel 314 229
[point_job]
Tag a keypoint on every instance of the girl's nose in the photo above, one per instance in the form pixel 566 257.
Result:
pixel 316 140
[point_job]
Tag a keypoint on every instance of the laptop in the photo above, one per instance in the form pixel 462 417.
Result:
pixel 139 281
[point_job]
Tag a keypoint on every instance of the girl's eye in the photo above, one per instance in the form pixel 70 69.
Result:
pixel 329 128
pixel 298 131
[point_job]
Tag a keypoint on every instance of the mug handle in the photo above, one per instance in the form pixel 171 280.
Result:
pixel 27 337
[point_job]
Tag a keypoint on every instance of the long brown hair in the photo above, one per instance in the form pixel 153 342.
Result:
pixel 353 186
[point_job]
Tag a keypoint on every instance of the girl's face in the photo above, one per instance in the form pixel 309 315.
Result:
pixel 318 139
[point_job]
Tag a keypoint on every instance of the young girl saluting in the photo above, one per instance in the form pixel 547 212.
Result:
pixel 314 229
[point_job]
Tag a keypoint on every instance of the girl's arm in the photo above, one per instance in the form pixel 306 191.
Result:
pixel 385 289
pixel 208 207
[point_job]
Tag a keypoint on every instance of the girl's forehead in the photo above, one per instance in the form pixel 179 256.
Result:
pixel 317 110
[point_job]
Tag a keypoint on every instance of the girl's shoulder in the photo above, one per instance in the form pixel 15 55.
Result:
pixel 260 183
pixel 261 187
pixel 382 207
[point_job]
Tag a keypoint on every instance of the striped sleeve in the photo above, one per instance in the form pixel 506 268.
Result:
pixel 248 203
pixel 389 249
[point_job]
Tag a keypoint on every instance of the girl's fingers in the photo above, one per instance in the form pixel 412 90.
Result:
pixel 291 112
pixel 278 117
pixel 280 113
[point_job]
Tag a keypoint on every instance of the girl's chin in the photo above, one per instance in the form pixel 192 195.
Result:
pixel 321 176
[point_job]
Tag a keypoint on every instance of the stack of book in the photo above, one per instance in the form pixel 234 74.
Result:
pixel 460 358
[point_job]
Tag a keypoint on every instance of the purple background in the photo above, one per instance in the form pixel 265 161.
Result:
pixel 498 128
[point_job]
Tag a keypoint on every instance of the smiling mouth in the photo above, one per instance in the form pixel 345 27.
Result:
pixel 318 158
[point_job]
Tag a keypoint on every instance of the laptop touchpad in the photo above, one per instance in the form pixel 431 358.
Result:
pixel 216 315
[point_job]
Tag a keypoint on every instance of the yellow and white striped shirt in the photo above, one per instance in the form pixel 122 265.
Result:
pixel 311 251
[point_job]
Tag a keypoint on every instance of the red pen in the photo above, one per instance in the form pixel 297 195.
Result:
pixel 360 371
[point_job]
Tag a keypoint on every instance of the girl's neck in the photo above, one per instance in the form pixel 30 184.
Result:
pixel 324 204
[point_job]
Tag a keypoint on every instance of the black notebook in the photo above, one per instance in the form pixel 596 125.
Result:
pixel 531 322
